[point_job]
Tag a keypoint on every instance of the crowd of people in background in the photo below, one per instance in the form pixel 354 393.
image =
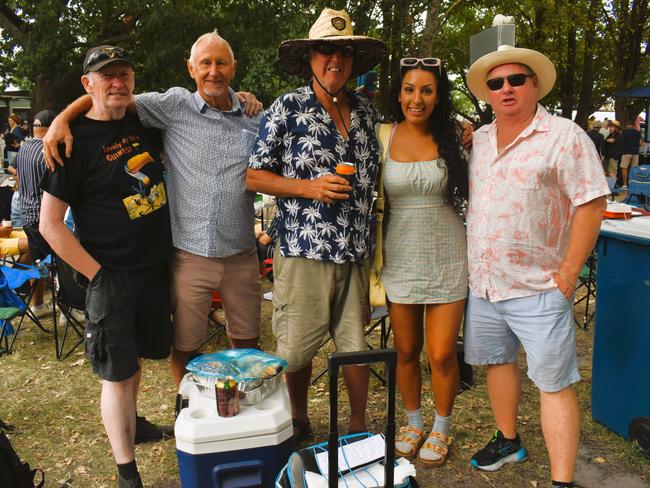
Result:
pixel 619 149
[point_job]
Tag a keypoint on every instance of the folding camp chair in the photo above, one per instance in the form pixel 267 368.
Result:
pixel 70 296
pixel 613 189
pixel 11 306
pixel 638 186
pixel 215 326
pixel 18 278
pixel 587 285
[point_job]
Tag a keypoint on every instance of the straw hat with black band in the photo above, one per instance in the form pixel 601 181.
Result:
pixel 536 61
pixel 334 26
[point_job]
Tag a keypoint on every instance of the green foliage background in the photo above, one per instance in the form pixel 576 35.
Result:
pixel 598 46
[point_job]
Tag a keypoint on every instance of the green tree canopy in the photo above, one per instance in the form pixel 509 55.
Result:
pixel 598 46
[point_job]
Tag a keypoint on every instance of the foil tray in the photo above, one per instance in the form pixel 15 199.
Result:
pixel 250 392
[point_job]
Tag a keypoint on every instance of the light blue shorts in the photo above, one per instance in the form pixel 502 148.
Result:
pixel 542 323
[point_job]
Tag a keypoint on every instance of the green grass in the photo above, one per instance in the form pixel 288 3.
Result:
pixel 54 407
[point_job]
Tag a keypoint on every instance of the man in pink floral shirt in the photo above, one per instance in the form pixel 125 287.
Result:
pixel 536 200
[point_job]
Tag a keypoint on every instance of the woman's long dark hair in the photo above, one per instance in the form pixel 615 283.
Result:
pixel 445 131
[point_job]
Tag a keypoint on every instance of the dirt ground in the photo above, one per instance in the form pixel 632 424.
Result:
pixel 54 408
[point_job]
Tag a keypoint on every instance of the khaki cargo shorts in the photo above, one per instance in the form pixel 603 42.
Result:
pixel 313 300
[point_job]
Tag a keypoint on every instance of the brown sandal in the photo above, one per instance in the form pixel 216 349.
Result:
pixel 413 437
pixel 437 443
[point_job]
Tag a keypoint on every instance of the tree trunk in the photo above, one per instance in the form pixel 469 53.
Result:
pixel 401 12
pixel 566 75
pixel 632 34
pixel 56 92
pixel 431 28
pixel 585 100
pixel 394 15
pixel 384 74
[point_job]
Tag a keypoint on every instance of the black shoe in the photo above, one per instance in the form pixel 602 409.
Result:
pixel 497 452
pixel 145 431
pixel 130 483
pixel 301 430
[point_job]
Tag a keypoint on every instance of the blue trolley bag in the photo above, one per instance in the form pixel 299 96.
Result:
pixel 292 475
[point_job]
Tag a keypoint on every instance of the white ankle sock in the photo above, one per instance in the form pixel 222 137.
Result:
pixel 442 424
pixel 415 418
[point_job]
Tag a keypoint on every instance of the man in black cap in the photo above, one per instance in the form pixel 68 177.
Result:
pixel 113 181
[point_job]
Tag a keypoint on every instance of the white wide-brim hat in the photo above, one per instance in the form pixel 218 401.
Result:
pixel 536 61
pixel 332 25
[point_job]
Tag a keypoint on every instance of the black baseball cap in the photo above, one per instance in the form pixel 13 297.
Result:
pixel 100 56
pixel 44 118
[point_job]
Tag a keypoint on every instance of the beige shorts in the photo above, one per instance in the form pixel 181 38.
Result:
pixel 629 160
pixel 194 278
pixel 312 299
pixel 612 166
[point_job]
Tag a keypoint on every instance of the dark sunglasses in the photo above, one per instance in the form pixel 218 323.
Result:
pixel 106 53
pixel 426 63
pixel 329 48
pixel 517 79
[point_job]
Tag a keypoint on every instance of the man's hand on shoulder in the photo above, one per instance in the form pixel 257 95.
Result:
pixel 467 134
pixel 59 132
pixel 252 105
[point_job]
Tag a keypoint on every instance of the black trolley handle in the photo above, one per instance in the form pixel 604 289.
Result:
pixel 337 359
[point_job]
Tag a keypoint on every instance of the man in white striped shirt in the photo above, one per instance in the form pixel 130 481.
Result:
pixel 30 164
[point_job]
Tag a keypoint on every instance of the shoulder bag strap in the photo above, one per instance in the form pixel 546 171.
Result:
pixel 386 132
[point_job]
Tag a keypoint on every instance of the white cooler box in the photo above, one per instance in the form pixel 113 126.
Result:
pixel 247 450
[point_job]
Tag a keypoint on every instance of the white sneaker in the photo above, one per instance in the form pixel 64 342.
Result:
pixel 41 310
pixel 77 314
pixel 268 296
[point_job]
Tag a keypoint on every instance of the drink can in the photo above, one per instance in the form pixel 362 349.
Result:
pixel 227 397
pixel 346 170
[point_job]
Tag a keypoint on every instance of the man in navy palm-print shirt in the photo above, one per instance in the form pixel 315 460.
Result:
pixel 321 269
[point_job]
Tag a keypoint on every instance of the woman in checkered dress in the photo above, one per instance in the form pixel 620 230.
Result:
pixel 425 250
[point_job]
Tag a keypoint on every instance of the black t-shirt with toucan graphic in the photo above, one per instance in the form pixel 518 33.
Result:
pixel 114 184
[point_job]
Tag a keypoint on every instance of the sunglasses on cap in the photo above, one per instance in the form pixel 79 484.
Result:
pixel 517 79
pixel 104 53
pixel 329 48
pixel 426 63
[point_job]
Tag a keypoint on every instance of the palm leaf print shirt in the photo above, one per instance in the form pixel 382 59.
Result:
pixel 297 138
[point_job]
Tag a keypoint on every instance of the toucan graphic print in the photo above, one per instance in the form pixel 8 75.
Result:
pixel 147 198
